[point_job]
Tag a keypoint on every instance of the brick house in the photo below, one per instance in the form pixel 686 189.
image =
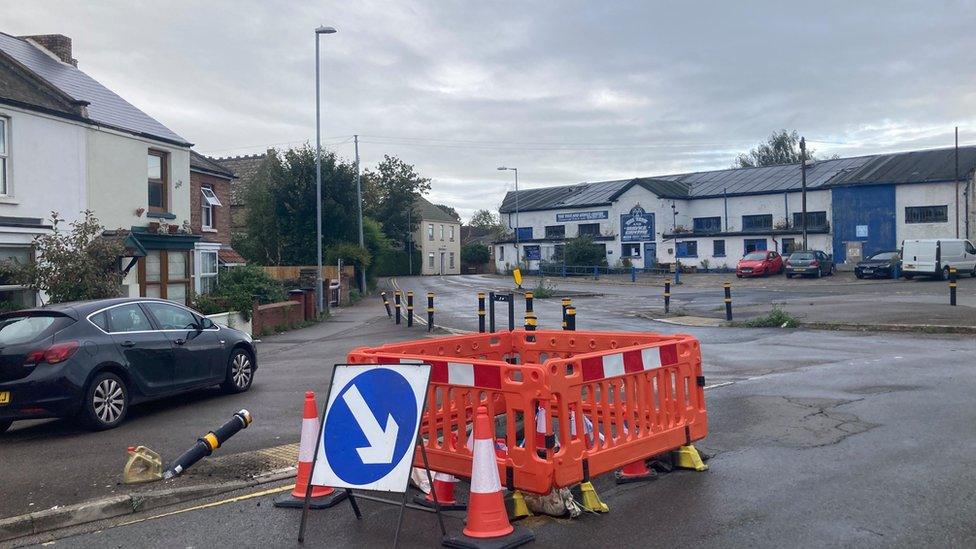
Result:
pixel 245 169
pixel 210 216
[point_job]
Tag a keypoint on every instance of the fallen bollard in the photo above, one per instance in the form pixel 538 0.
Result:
pixel 143 465
pixel 208 443
pixel 386 303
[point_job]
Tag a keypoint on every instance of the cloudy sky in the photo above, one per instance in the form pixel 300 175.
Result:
pixel 565 91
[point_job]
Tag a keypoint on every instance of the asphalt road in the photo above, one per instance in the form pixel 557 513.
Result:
pixel 843 441
pixel 819 438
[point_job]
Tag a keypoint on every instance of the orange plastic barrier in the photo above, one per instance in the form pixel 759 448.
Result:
pixel 603 399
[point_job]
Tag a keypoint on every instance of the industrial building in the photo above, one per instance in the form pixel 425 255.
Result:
pixel 855 207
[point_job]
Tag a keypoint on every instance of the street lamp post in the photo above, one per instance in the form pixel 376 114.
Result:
pixel 319 291
pixel 518 258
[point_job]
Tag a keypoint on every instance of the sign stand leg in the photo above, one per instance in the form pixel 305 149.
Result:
pixel 355 506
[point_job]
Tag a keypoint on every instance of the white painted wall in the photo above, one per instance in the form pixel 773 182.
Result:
pixel 447 246
pixel 117 176
pixel 931 194
pixel 47 166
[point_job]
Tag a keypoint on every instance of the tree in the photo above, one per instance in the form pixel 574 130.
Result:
pixel 395 186
pixel 582 251
pixel 72 266
pixel 782 147
pixel 475 254
pixel 484 222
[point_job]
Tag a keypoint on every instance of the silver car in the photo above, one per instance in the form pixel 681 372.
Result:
pixel 813 263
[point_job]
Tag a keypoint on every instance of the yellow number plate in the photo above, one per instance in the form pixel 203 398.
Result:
pixel 4 397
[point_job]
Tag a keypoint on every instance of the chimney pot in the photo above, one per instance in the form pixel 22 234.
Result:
pixel 57 44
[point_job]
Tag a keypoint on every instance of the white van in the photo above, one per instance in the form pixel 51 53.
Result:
pixel 933 257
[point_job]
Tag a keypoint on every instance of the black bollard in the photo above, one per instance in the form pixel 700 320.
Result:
pixel 667 295
pixel 566 303
pixel 430 311
pixel 571 318
pixel 208 443
pixel 410 309
pixel 396 305
pixel 481 312
pixel 728 300
pixel 952 286
pixel 386 303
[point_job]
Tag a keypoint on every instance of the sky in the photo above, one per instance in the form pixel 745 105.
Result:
pixel 564 91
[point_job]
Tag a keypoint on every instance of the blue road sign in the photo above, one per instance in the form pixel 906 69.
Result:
pixel 371 424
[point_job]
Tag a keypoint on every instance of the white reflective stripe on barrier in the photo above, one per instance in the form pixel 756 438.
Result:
pixel 651 358
pixel 460 374
pixel 613 365
pixel 411 361
pixel 444 477
pixel 310 432
pixel 484 471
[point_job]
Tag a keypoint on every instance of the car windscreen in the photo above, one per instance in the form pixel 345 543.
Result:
pixel 18 329
pixel 881 256
pixel 802 256
pixel 755 256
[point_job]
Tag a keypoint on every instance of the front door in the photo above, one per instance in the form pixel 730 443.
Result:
pixel 650 255
pixel 853 250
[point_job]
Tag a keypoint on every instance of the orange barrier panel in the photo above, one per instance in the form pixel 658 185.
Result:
pixel 606 399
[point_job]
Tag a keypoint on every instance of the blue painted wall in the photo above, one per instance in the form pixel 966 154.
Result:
pixel 871 205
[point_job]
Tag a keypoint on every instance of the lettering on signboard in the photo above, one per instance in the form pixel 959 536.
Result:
pixel 582 216
pixel 637 226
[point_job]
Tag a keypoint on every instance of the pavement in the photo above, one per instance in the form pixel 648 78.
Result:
pixel 819 438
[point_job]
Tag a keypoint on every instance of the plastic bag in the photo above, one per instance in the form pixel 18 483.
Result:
pixel 557 503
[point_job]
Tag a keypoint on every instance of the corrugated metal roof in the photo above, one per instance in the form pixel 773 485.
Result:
pixel 104 106
pixel 904 167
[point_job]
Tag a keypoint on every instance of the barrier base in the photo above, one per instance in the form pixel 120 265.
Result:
pixel 516 506
pixel 590 500
pixel 519 536
pixel 289 501
pixel 623 478
pixel 422 500
pixel 687 457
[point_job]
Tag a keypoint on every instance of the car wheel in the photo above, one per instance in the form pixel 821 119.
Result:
pixel 5 424
pixel 972 273
pixel 831 271
pixel 819 273
pixel 789 275
pixel 858 275
pixel 908 276
pixel 240 372
pixel 106 402
pixel 738 276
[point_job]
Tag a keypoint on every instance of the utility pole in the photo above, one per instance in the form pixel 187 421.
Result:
pixel 957 187
pixel 410 239
pixel 803 184
pixel 359 201
pixel 319 290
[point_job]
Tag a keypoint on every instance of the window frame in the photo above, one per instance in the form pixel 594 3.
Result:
pixel 207 205
pixel 715 251
pixel 579 229
pixel 754 217
pixel 678 253
pixel 442 232
pixel 632 246
pixel 452 233
pixel 922 213
pixel 552 232
pixel 798 219
pixel 215 274
pixel 5 170
pixel 450 264
pixel 698 222
pixel 430 260
pixel 163 182
pixel 524 233
pixel 164 280
pixel 430 232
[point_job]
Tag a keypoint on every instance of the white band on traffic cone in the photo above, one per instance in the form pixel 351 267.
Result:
pixel 484 471
pixel 306 446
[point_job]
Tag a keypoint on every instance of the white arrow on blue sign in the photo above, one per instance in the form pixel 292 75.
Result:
pixel 370 426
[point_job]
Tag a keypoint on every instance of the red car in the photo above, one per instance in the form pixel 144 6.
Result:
pixel 759 263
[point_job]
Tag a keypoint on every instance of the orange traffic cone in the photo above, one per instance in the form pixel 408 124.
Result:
pixel 487 524
pixel 443 488
pixel 323 497
pixel 635 472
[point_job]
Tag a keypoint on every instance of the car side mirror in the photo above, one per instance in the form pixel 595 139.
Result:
pixel 207 324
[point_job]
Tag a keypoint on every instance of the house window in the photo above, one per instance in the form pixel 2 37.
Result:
pixel 165 274
pixel 757 222
pixel 789 245
pixel 158 181
pixel 687 248
pixel 501 253
pixel 208 272
pixel 524 233
pixel 753 244
pixel 707 224
pixel 4 157
pixel 555 231
pixel 591 229
pixel 450 262
pixel 430 231
pixel 13 296
pixel 452 233
pixel 430 260
pixel 816 220
pixel 718 248
pixel 208 203
pixel 926 214
pixel 630 250
pixel 442 232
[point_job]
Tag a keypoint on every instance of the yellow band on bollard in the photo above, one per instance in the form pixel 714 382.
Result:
pixel 211 440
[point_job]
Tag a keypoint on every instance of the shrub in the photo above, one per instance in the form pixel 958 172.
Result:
pixel 777 318
pixel 238 288
pixel 475 253
pixel 582 251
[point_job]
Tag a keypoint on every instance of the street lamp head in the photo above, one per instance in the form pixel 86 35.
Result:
pixel 502 168
pixel 326 30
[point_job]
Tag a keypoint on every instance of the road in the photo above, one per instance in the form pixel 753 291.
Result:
pixel 819 438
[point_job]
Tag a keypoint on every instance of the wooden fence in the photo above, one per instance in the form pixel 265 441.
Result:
pixel 294 272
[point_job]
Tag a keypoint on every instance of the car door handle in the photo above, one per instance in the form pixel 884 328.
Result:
pixel 128 343
pixel 180 341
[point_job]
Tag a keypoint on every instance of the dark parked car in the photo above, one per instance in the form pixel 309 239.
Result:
pixel 809 263
pixel 93 359
pixel 879 265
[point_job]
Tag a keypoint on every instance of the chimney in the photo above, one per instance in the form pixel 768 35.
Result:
pixel 57 44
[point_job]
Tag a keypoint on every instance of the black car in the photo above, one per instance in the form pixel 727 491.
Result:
pixel 878 265
pixel 93 359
